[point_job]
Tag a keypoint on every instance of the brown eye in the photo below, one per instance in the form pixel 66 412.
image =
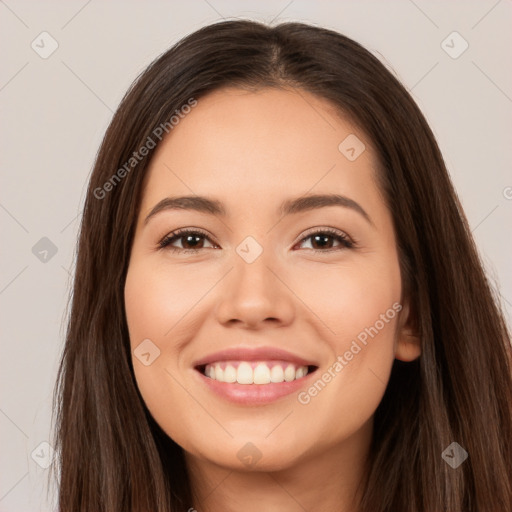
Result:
pixel 325 240
pixel 191 241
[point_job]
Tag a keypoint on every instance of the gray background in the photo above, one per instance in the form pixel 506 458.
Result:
pixel 54 113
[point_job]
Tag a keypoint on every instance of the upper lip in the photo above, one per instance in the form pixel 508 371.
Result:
pixel 253 354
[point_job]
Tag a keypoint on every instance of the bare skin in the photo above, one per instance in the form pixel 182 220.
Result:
pixel 310 296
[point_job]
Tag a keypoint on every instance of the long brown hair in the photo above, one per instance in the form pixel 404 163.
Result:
pixel 112 456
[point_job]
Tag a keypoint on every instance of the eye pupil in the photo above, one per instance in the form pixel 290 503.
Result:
pixel 190 238
pixel 318 240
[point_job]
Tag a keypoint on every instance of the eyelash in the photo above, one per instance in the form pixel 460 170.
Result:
pixel 345 241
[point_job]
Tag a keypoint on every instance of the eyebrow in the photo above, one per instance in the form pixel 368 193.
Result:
pixel 290 206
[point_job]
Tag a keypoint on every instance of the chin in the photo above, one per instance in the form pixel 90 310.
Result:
pixel 251 455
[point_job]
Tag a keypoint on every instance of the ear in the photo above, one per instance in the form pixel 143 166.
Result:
pixel 407 341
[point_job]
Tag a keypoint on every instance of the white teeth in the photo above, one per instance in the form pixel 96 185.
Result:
pixel 277 373
pixel 244 374
pixel 260 374
pixel 219 373
pixel 289 373
pixel 230 374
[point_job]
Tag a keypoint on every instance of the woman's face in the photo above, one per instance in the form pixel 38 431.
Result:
pixel 295 268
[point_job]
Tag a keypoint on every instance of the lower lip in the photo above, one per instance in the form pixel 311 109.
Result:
pixel 253 394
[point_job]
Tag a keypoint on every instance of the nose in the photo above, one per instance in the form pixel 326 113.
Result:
pixel 254 295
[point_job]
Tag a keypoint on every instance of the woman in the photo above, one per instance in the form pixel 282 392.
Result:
pixel 278 303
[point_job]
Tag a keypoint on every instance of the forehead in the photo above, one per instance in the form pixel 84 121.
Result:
pixel 249 145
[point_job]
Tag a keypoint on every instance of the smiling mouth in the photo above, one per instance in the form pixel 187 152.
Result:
pixel 255 372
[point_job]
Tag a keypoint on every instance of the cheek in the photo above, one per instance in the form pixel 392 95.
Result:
pixel 153 311
pixel 346 298
pixel 358 310
pixel 157 298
